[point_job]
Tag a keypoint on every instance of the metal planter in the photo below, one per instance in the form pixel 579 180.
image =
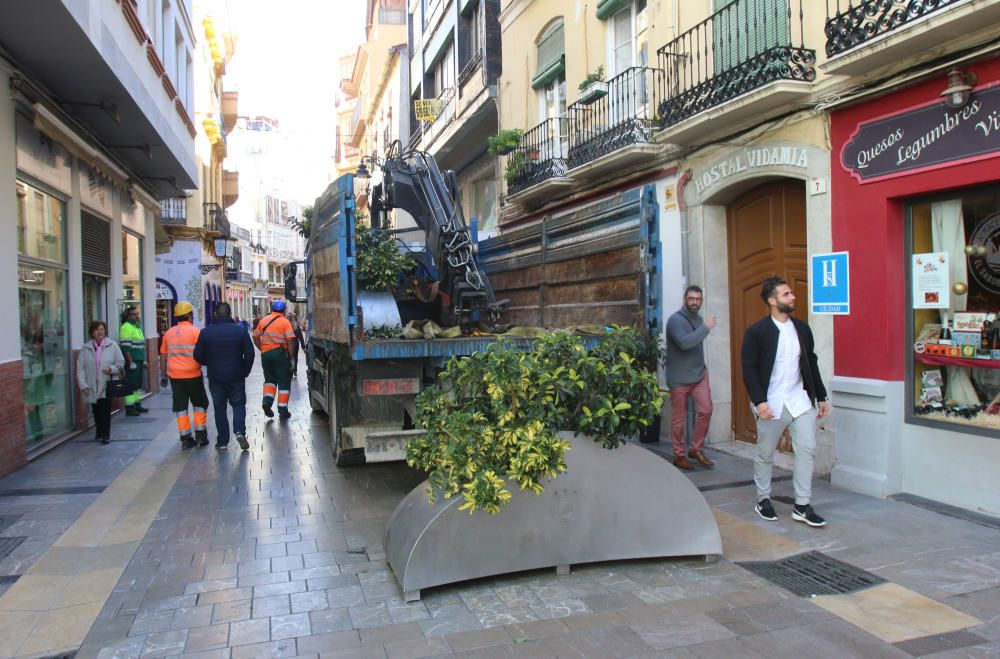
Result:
pixel 609 505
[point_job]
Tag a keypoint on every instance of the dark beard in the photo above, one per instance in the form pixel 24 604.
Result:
pixel 786 308
pixel 690 310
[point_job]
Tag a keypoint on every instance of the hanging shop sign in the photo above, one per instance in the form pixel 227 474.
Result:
pixel 427 109
pixel 931 288
pixel 925 137
pixel 829 280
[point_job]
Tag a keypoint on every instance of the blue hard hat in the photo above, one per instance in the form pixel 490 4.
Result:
pixel 278 305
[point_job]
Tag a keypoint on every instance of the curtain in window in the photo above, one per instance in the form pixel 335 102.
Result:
pixel 948 235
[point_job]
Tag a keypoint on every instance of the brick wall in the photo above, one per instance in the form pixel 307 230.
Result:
pixel 13 448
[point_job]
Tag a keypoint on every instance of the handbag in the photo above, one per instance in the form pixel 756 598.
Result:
pixel 117 389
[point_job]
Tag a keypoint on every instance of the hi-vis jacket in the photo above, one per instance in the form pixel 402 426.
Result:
pixel 178 345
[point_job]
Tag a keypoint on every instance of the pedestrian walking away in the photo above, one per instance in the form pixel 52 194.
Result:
pixel 226 350
pixel 133 346
pixel 781 375
pixel 687 377
pixel 186 383
pixel 275 339
pixel 99 361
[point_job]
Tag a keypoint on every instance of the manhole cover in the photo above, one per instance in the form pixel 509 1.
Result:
pixel 814 573
pixel 8 545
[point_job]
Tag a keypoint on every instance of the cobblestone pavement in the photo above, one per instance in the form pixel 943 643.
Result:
pixel 276 552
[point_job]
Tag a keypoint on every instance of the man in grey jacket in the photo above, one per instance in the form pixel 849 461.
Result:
pixel 687 376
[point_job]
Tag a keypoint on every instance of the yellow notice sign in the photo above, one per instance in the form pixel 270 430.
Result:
pixel 427 109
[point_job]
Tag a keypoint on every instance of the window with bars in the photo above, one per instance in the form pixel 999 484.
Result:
pixel 743 29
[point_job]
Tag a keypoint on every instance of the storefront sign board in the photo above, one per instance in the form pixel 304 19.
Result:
pixel 925 137
pixel 829 283
pixel 931 286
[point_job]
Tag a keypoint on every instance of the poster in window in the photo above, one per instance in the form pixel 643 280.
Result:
pixel 930 281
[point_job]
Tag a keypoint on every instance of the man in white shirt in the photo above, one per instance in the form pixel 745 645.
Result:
pixel 782 377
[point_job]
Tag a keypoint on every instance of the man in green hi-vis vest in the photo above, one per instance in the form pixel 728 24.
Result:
pixel 133 345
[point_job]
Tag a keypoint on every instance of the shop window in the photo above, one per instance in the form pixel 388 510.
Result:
pixel 41 224
pixel 954 294
pixel 43 311
pixel 44 351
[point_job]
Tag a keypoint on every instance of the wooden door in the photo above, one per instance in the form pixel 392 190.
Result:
pixel 767 236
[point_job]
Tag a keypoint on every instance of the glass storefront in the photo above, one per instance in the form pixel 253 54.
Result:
pixel 954 288
pixel 43 308
pixel 131 270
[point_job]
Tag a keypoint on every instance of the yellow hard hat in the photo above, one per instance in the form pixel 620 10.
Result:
pixel 183 308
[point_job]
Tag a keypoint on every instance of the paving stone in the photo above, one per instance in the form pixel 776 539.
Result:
pixel 232 595
pixel 284 588
pixel 422 647
pixel 680 630
pixel 207 638
pixel 248 632
pixel 282 648
pixel 320 643
pixel 309 601
pixel 919 647
pixel 608 642
pixel 290 626
pixel 474 640
pixel 274 605
pixel 165 644
pixel 364 652
pixel 231 611
pixel 390 633
pixel 349 596
pixel 330 620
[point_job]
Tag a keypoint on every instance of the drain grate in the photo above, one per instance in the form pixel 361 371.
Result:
pixel 7 545
pixel 6 520
pixel 814 573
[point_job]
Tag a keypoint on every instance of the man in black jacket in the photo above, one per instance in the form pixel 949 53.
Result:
pixel 226 349
pixel 782 378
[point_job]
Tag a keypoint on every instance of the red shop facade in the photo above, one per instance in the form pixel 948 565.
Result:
pixel 915 187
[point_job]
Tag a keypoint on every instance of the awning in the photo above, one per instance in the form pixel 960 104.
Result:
pixel 605 8
pixel 549 73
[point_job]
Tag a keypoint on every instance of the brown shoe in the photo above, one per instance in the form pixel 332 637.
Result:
pixel 700 457
pixel 681 463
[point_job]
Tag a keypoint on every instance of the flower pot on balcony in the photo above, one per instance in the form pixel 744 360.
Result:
pixel 595 90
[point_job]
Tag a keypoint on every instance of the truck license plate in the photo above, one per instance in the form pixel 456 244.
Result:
pixel 390 386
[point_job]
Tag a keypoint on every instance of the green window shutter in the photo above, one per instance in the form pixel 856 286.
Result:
pixel 746 28
pixel 551 56
pixel 605 8
pixel 549 73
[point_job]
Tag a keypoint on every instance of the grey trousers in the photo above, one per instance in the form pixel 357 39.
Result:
pixel 803 431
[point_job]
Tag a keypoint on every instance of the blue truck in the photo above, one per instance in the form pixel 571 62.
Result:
pixel 596 263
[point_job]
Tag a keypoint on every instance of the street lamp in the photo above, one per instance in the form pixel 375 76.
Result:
pixel 960 85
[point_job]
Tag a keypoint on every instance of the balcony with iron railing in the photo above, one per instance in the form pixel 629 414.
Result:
pixel 864 35
pixel 215 219
pixel 173 212
pixel 537 166
pixel 611 125
pixel 744 61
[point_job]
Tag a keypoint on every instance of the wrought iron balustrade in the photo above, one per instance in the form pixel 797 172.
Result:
pixel 215 218
pixel 541 155
pixel 620 118
pixel 173 211
pixel 470 67
pixel 850 23
pixel 741 47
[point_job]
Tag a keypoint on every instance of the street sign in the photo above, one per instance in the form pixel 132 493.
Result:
pixel 427 109
pixel 829 284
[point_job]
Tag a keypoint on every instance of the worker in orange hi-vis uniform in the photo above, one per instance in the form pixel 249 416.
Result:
pixel 274 336
pixel 186 383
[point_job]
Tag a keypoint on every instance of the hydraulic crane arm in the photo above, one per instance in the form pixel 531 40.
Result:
pixel 413 182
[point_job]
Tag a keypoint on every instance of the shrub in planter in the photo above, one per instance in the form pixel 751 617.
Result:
pixel 515 166
pixel 380 262
pixel 493 417
pixel 504 142
pixel 596 76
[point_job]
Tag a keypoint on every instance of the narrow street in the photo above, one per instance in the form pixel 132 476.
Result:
pixel 138 549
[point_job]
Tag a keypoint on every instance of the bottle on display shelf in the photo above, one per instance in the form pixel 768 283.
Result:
pixel 945 339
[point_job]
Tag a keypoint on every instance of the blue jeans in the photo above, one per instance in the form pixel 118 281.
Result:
pixel 234 394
